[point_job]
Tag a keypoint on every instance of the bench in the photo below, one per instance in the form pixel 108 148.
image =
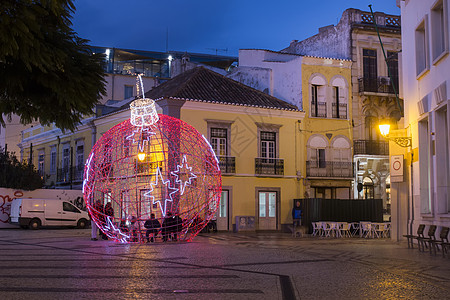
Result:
pixel 443 240
pixel 430 239
pixel 411 237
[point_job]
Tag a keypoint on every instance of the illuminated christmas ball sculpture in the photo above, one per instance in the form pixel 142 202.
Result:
pixel 151 164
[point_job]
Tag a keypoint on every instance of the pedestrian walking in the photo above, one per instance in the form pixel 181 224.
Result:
pixel 153 227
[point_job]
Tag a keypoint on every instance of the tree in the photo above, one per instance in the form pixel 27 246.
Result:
pixel 17 175
pixel 47 73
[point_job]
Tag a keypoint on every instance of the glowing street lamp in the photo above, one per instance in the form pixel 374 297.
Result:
pixel 141 156
pixel 401 141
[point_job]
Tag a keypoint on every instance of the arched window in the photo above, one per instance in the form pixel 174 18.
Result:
pixel 318 96
pixel 316 152
pixel 339 98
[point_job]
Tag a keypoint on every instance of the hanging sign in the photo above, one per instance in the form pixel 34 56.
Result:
pixel 396 169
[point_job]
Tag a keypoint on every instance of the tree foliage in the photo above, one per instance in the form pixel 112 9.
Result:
pixel 17 175
pixel 47 73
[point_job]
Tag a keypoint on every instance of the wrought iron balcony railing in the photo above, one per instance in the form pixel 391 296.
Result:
pixel 380 84
pixel 329 169
pixel 341 113
pixel 269 166
pixel 70 174
pixel 227 164
pixel 370 147
pixel 321 110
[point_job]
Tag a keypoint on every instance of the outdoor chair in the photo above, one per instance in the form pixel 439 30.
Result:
pixel 366 229
pixel 423 241
pixel 344 229
pixel 443 239
pixel 377 230
pixel 411 237
pixel 331 229
pixel 317 226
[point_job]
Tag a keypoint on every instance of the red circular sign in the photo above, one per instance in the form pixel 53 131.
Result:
pixel 396 165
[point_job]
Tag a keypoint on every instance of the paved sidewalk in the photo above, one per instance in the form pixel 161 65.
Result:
pixel 66 264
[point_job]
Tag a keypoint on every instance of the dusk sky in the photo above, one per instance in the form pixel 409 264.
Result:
pixel 200 26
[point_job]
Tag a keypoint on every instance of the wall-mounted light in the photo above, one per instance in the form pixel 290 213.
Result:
pixel 402 141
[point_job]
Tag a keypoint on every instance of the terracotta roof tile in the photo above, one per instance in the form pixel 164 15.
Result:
pixel 201 84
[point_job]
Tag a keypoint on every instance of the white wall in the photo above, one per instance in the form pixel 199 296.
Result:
pixel 278 74
pixel 429 190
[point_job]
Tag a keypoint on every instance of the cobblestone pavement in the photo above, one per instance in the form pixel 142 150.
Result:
pixel 66 264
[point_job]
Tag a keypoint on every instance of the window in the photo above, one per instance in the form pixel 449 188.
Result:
pixel 53 159
pixel 66 158
pixel 318 104
pixel 439 29
pixel 268 143
pixel 321 158
pixel 370 72
pixel 318 90
pixel 80 153
pixel 339 98
pixel 421 36
pixel 425 167
pixel 370 63
pixel 69 207
pixel 41 162
pixel 128 91
pixel 219 141
pixel 392 64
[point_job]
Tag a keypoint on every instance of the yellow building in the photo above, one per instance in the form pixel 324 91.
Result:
pixel 256 137
pixel 326 91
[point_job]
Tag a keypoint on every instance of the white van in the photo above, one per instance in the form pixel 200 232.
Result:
pixel 35 213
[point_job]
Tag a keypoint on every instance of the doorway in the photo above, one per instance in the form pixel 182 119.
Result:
pixel 223 213
pixel 267 210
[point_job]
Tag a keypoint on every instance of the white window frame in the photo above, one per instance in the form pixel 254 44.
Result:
pixel 53 159
pixel 439 30
pixel 422 47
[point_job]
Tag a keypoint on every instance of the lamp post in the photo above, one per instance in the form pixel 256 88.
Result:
pixel 404 142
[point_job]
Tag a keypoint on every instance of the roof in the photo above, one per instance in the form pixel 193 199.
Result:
pixel 203 85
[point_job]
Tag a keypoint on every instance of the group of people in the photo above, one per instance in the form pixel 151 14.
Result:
pixel 170 227
pixel 102 213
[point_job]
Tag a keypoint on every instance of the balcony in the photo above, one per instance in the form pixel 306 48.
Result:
pixel 370 147
pixel 321 111
pixel 381 84
pixel 269 166
pixel 63 175
pixel 340 113
pixel 329 169
pixel 227 164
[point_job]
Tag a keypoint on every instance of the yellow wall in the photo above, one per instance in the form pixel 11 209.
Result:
pixel 244 147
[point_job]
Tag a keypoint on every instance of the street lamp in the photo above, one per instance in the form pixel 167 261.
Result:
pixel 401 141
pixel 405 142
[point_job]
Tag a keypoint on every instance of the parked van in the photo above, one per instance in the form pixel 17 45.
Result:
pixel 34 213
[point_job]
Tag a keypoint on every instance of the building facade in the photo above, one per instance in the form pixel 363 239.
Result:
pixel 423 197
pixel 321 87
pixel 373 91
pixel 249 131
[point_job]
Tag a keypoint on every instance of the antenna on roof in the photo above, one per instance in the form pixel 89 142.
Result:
pixel 217 49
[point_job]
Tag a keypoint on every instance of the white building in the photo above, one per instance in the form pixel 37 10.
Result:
pixel 426 81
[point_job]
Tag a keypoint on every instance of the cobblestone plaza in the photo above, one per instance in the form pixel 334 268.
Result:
pixel 66 264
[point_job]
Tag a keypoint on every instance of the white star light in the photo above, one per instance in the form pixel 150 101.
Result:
pixel 88 164
pixel 123 238
pixel 177 173
pixel 166 199
pixel 135 136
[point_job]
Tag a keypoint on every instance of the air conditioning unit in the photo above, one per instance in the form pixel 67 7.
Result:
pixel 384 80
